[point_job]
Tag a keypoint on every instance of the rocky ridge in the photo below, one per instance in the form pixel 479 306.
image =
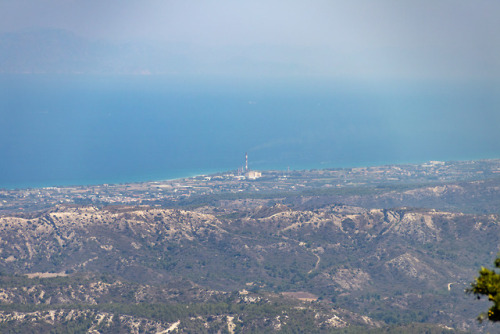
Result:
pixel 359 259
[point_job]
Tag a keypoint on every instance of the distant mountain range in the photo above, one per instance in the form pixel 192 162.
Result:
pixel 59 51
pixel 63 52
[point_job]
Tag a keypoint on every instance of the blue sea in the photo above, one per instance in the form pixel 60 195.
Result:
pixel 92 129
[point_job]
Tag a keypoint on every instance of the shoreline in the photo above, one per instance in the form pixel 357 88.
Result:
pixel 98 183
pixel 192 175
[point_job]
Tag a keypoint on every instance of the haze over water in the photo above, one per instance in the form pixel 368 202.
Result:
pixel 316 84
pixel 81 129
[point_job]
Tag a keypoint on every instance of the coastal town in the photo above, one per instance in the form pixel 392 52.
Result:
pixel 251 183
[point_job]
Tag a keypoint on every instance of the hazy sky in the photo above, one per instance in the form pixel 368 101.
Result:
pixel 446 39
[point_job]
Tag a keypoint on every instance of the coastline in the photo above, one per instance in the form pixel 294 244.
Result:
pixel 100 182
pixel 177 175
pixel 196 190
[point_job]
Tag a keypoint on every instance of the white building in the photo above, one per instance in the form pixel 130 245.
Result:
pixel 252 175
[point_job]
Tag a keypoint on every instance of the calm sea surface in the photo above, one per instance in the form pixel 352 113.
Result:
pixel 61 130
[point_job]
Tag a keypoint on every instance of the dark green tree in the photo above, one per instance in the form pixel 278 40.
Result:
pixel 488 284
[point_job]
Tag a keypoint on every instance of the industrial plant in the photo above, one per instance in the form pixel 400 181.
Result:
pixel 247 173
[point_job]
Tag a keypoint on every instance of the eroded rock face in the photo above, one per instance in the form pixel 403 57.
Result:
pixel 86 238
pixel 415 225
pixel 411 266
pixel 77 238
pixel 100 320
pixel 351 279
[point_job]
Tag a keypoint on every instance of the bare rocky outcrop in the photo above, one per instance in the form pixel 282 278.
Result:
pixel 411 266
